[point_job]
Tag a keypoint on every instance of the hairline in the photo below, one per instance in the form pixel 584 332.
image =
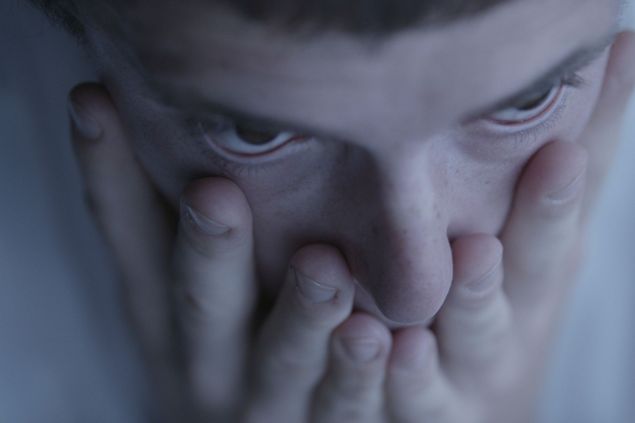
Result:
pixel 312 17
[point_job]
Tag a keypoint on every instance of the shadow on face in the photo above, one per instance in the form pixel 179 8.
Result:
pixel 388 149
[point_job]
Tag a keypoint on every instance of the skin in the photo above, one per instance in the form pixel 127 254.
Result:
pixel 480 224
pixel 416 175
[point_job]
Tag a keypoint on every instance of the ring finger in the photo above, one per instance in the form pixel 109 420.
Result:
pixel 352 390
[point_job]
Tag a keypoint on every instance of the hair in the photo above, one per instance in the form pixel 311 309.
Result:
pixel 62 13
pixel 357 17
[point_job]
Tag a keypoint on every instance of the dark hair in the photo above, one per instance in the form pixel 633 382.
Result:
pixel 360 17
pixel 63 13
pixel 366 17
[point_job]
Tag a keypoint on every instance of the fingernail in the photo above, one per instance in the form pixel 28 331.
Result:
pixel 312 290
pixel 203 223
pixel 362 350
pixel 484 282
pixel 569 191
pixel 86 125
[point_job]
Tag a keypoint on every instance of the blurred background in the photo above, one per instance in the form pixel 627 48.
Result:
pixel 65 352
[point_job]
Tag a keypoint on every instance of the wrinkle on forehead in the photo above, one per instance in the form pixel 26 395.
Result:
pixel 413 83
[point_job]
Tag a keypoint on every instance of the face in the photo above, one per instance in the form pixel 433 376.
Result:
pixel 388 149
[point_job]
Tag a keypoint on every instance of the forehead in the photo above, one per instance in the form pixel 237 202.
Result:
pixel 421 79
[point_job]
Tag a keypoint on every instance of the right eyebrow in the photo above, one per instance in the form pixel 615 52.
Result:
pixel 568 66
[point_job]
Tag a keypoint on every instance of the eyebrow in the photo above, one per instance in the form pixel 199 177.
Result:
pixel 197 106
pixel 567 68
pixel 193 102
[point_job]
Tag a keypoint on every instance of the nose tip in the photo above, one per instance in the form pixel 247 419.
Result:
pixel 410 287
pixel 411 300
pixel 403 255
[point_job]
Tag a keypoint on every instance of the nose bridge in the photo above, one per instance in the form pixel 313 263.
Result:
pixel 412 185
pixel 411 278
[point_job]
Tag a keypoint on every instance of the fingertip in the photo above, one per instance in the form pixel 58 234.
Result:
pixel 363 339
pixel 413 349
pixel 90 94
pixel 217 203
pixel 317 295
pixel 554 178
pixel 325 264
pixel 83 112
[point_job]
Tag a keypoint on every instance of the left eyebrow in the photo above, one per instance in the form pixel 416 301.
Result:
pixel 567 67
pixel 193 104
pixel 190 101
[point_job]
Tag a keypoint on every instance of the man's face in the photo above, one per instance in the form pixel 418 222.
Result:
pixel 388 149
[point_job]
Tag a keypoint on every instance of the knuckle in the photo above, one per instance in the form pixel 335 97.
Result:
pixel 203 306
pixel 358 383
pixel 195 309
pixel 291 363
pixel 356 392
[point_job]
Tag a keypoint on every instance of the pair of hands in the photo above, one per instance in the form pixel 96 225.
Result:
pixel 192 298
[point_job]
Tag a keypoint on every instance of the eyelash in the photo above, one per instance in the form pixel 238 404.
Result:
pixel 571 81
pixel 233 167
pixel 569 84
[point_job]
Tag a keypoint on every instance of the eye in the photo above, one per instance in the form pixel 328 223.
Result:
pixel 528 109
pixel 247 140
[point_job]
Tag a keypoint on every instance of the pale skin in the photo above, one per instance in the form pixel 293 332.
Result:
pixel 479 360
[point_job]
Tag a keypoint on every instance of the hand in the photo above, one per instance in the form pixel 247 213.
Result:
pixel 204 282
pixel 483 359
pixel 471 366
pixel 485 355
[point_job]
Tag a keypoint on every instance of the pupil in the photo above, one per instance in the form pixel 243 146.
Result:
pixel 254 136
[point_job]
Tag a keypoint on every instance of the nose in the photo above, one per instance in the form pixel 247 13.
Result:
pixel 407 265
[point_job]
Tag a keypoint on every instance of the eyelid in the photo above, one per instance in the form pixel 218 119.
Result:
pixel 515 138
pixel 237 159
pixel 573 79
pixel 529 118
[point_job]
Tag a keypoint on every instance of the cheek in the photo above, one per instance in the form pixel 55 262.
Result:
pixel 489 165
pixel 165 147
pixel 313 198
pixel 481 200
pixel 330 194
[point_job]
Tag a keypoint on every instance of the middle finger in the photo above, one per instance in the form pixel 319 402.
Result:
pixel 293 345
pixel 215 283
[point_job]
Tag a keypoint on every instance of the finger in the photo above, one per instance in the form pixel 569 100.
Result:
pixel 602 134
pixel 474 326
pixel 352 390
pixel 293 344
pixel 128 211
pixel 542 235
pixel 215 287
pixel 417 390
